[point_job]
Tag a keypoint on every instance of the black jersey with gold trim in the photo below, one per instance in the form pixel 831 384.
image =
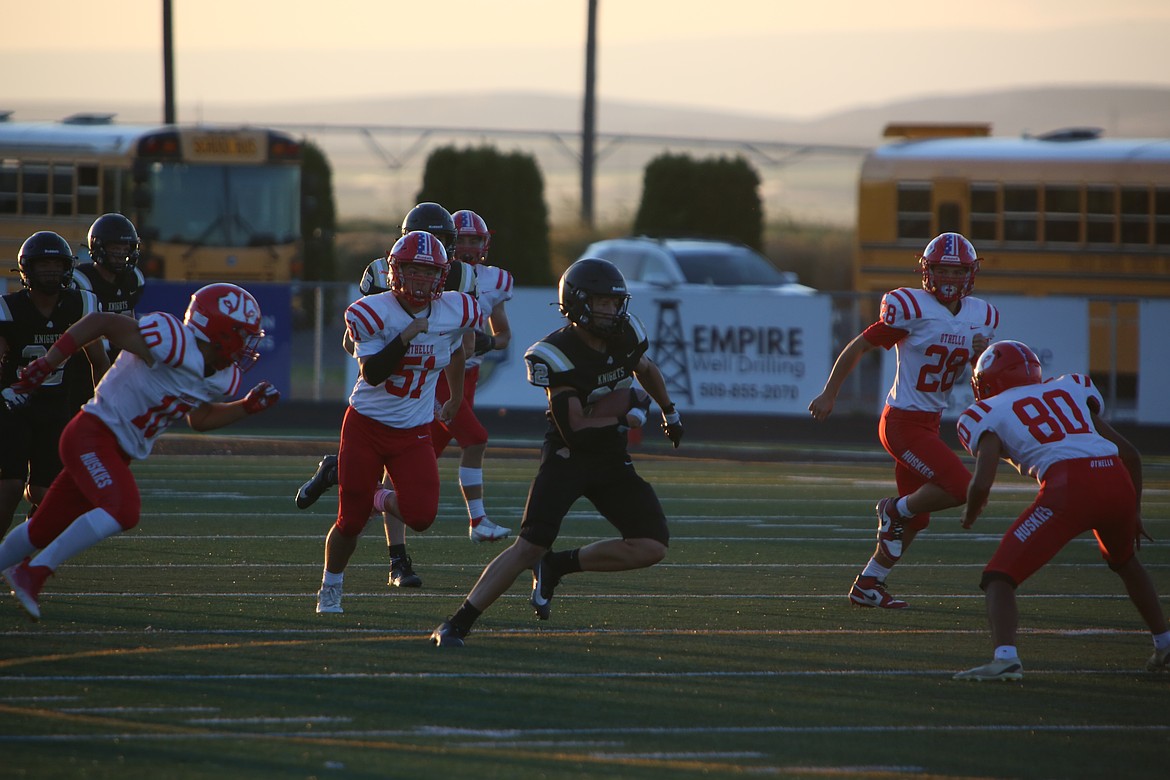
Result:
pixel 563 359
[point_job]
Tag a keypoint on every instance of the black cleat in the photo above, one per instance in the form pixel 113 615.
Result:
pixel 402 574
pixel 446 635
pixel 543 584
pixel 324 478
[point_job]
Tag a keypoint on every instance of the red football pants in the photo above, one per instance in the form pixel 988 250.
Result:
pixel 1076 496
pixel 96 473
pixel 921 456
pixel 367 449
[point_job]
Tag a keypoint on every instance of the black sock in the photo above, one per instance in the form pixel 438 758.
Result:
pixel 464 618
pixel 397 551
pixel 565 562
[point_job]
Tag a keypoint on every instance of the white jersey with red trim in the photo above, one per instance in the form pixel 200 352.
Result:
pixel 934 346
pixel 1040 424
pixel 493 287
pixel 138 402
pixel 407 398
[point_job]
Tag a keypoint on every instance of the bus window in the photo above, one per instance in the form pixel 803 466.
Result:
pixel 1135 215
pixel 9 186
pixel 984 212
pixel 87 190
pixel 914 210
pixel 36 188
pixel 1100 215
pixel 1062 214
pixel 63 190
pixel 1020 204
pixel 1162 217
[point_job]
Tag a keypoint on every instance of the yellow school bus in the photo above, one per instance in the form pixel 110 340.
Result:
pixel 210 203
pixel 1068 213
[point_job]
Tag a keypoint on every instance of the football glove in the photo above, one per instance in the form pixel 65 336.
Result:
pixel 33 375
pixel 261 397
pixel 672 425
pixel 13 399
pixel 484 343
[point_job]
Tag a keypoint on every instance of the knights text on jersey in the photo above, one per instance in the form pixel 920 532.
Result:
pixel 1041 424
pixel 119 296
pixel 29 334
pixel 138 402
pixel 935 347
pixel 562 359
pixel 407 398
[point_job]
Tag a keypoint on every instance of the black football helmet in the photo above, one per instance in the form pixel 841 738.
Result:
pixel 589 277
pixel 45 245
pixel 434 219
pixel 110 230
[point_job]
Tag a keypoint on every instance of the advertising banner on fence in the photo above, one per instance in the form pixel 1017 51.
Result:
pixel 719 351
pixel 1153 391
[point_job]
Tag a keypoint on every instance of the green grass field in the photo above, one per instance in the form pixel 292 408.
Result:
pixel 190 648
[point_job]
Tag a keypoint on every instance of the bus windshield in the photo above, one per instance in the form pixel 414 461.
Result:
pixel 223 205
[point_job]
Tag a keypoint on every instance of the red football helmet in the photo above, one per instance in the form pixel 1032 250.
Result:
pixel 472 237
pixel 227 317
pixel 949 250
pixel 414 251
pixel 1002 365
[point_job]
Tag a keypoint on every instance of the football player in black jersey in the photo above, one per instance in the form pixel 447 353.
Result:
pixel 113 275
pixel 436 220
pixel 600 352
pixel 31 319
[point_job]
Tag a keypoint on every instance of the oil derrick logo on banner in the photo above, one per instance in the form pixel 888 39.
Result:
pixel 669 350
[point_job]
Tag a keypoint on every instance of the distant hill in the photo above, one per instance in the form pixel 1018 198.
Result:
pixel 377 184
pixel 1123 111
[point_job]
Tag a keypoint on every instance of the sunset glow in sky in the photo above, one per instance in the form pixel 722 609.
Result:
pixel 771 57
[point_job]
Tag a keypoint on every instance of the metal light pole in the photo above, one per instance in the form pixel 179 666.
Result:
pixel 588 129
pixel 168 65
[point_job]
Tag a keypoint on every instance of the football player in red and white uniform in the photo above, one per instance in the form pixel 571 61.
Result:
pixel 493 288
pixel 402 340
pixel 167 369
pixel 431 218
pixel 1090 480
pixel 938 332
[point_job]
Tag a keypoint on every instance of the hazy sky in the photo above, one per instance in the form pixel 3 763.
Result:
pixel 773 57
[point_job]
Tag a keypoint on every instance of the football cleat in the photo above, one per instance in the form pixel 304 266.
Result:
pixel 543 584
pixel 26 582
pixel 484 530
pixel 324 478
pixel 1159 661
pixel 329 600
pixel 402 574
pixel 871 592
pixel 446 635
pixel 1009 669
pixel 889 534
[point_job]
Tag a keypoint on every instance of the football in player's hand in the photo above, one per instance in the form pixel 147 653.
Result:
pixel 615 404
